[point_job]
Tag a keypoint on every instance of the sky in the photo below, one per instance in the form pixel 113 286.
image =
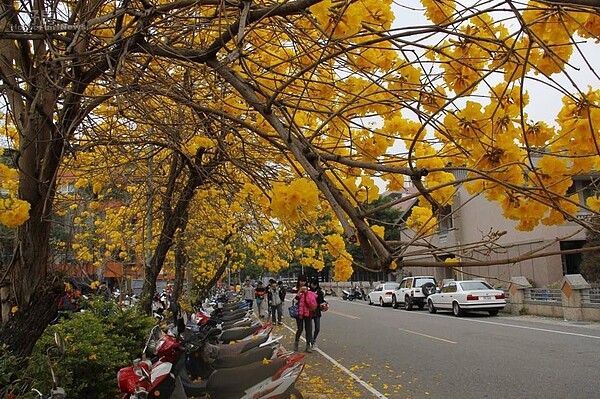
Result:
pixel 545 102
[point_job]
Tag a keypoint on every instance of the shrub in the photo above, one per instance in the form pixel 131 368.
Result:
pixel 11 372
pixel 98 343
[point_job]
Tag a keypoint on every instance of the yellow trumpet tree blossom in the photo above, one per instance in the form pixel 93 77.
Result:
pixel 171 98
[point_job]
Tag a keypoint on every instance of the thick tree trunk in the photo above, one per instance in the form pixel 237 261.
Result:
pixel 27 274
pixel 26 326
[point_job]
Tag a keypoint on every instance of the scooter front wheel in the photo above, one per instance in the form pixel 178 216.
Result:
pixel 293 393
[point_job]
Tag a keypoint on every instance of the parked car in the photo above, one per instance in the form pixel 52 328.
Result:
pixel 414 290
pixel 465 295
pixel 382 294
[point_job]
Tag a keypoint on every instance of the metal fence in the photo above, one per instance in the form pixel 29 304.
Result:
pixel 591 296
pixel 543 294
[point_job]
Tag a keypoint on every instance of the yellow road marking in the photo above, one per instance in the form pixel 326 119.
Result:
pixel 428 336
pixel 344 314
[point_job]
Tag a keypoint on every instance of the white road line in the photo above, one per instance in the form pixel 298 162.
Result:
pixel 356 378
pixel 533 328
pixel 428 336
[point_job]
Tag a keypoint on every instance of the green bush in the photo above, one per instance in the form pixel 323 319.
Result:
pixel 11 373
pixel 98 343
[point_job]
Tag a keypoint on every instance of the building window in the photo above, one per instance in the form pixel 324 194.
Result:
pixel 445 220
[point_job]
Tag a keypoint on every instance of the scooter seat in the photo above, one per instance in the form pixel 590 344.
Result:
pixel 234 349
pixel 236 323
pixel 231 316
pixel 238 379
pixel 244 358
pixel 235 333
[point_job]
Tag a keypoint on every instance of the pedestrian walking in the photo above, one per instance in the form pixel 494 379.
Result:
pixel 248 293
pixel 260 293
pixel 307 303
pixel 282 291
pixel 321 302
pixel 275 302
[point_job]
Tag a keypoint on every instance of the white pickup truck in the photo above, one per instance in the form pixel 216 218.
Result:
pixel 414 290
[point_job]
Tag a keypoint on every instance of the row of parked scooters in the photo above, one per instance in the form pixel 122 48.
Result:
pixel 220 352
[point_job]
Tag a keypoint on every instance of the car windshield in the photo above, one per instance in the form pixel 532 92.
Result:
pixel 390 286
pixel 475 285
pixel 420 281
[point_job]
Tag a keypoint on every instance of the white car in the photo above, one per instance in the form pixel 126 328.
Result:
pixel 413 291
pixel 465 295
pixel 382 294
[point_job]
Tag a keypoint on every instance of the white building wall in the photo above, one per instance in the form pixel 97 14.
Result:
pixel 473 220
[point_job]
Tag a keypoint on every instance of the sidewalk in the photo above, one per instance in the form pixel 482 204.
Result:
pixel 320 379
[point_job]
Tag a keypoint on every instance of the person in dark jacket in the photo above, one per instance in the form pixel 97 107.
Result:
pixel 275 302
pixel 316 288
pixel 260 293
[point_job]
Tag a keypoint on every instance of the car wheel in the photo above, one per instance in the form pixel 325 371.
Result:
pixel 408 305
pixel 381 302
pixel 493 312
pixel 428 288
pixel 394 302
pixel 456 310
pixel 430 307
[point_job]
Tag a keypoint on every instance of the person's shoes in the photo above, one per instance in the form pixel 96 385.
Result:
pixel 308 349
pixel 314 345
pixel 279 323
pixel 295 346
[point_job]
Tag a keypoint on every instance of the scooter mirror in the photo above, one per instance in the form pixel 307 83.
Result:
pixel 60 343
pixel 153 337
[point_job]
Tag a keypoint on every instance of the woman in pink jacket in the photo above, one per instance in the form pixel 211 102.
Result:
pixel 307 303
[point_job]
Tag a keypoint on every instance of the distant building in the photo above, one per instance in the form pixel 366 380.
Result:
pixel 471 219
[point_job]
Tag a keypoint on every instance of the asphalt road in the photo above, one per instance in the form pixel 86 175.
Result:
pixel 372 352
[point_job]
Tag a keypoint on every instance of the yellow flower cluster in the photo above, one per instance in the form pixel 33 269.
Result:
pixel 343 264
pixel 422 221
pixel 287 198
pixel 196 143
pixel 439 11
pixel 342 19
pixel 579 121
pixel 13 212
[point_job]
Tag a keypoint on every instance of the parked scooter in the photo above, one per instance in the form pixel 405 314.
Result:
pixel 57 392
pixel 354 293
pixel 203 357
pixel 272 379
